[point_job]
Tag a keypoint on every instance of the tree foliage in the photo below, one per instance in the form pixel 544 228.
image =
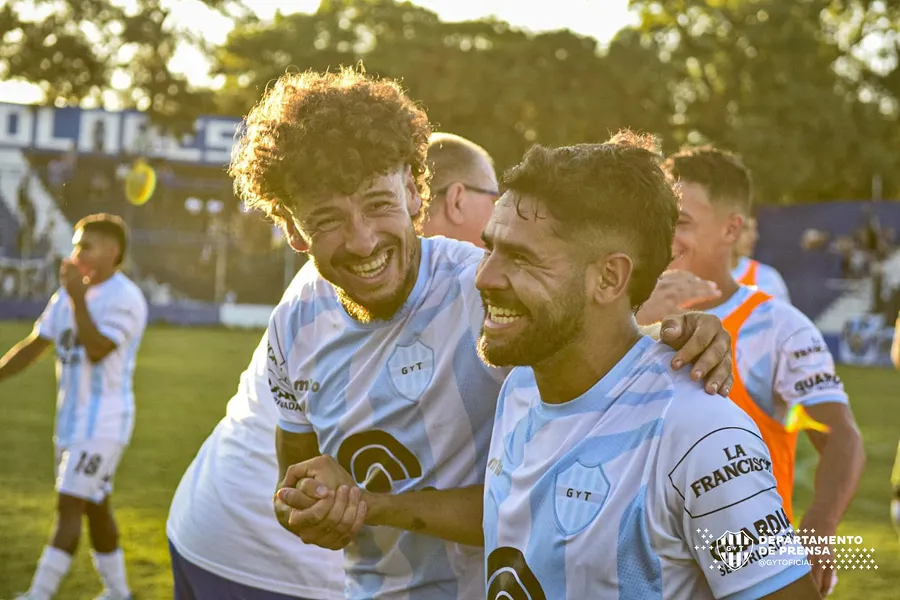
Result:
pixel 783 84
pixel 73 49
pixel 480 79
pixel 806 91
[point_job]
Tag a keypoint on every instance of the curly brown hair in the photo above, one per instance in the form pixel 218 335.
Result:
pixel 319 134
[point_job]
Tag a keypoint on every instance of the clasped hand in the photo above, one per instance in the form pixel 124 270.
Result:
pixel 319 502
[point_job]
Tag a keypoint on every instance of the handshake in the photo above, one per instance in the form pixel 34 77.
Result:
pixel 319 502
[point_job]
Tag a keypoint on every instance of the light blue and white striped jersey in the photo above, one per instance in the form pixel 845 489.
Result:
pixel 405 404
pixel 645 487
pixel 96 401
pixel 768 279
pixel 781 357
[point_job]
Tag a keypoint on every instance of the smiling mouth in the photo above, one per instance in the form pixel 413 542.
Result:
pixel 373 267
pixel 502 316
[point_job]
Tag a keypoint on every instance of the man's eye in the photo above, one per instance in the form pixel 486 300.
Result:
pixel 326 224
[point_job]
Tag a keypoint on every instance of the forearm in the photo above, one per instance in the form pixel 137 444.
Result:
pixel 21 356
pixel 294 448
pixel 95 344
pixel 453 515
pixel 841 464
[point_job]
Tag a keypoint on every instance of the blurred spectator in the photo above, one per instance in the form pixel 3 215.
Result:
pixel 61 171
pixel 27 218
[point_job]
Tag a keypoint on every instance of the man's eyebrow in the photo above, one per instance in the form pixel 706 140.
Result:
pixel 377 194
pixel 320 212
pixel 509 246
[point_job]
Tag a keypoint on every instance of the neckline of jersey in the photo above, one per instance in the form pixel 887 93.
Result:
pixel 597 398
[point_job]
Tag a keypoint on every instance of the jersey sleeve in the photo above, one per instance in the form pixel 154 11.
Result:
pixel 123 318
pixel 45 326
pixel 291 413
pixel 727 511
pixel 805 370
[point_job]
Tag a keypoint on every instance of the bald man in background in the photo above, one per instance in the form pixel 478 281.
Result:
pixel 464 188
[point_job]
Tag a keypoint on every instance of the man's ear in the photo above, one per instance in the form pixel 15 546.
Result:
pixel 608 277
pixel 413 198
pixel 453 203
pixel 734 226
pixel 294 237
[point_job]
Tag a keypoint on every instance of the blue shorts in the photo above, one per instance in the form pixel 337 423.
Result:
pixel 194 583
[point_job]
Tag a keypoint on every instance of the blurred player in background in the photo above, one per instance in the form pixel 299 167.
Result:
pixel 781 359
pixel 225 541
pixel 372 362
pixel 96 321
pixel 596 445
pixel 747 271
pixel 463 188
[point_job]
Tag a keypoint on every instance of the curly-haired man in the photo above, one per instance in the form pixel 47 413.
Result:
pixel 372 356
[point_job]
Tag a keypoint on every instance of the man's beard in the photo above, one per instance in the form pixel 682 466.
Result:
pixel 386 309
pixel 553 328
pixel 383 311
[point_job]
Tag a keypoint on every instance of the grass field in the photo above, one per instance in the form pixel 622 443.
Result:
pixel 183 381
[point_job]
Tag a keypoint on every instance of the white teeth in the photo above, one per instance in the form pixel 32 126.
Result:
pixel 502 316
pixel 371 268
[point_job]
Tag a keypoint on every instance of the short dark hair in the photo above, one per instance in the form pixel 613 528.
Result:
pixel 451 157
pixel 726 179
pixel 316 134
pixel 107 225
pixel 592 190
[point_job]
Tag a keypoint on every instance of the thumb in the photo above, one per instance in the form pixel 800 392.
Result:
pixel 670 329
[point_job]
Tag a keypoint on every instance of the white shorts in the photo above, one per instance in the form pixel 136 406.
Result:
pixel 86 469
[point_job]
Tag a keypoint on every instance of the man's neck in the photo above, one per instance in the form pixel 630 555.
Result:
pixel 99 278
pixel 735 260
pixel 574 370
pixel 726 284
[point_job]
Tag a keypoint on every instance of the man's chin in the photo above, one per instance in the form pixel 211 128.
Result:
pixel 367 310
pixel 498 355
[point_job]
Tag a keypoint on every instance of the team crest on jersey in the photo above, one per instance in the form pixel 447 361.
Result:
pixel 68 340
pixel 733 549
pixel 581 491
pixel 411 369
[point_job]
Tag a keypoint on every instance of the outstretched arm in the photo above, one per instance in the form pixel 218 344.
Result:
pixel 23 355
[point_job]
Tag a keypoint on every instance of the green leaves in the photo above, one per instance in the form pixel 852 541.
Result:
pixel 807 91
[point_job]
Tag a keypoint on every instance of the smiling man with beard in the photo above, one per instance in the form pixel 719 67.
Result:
pixel 371 359
pixel 597 442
